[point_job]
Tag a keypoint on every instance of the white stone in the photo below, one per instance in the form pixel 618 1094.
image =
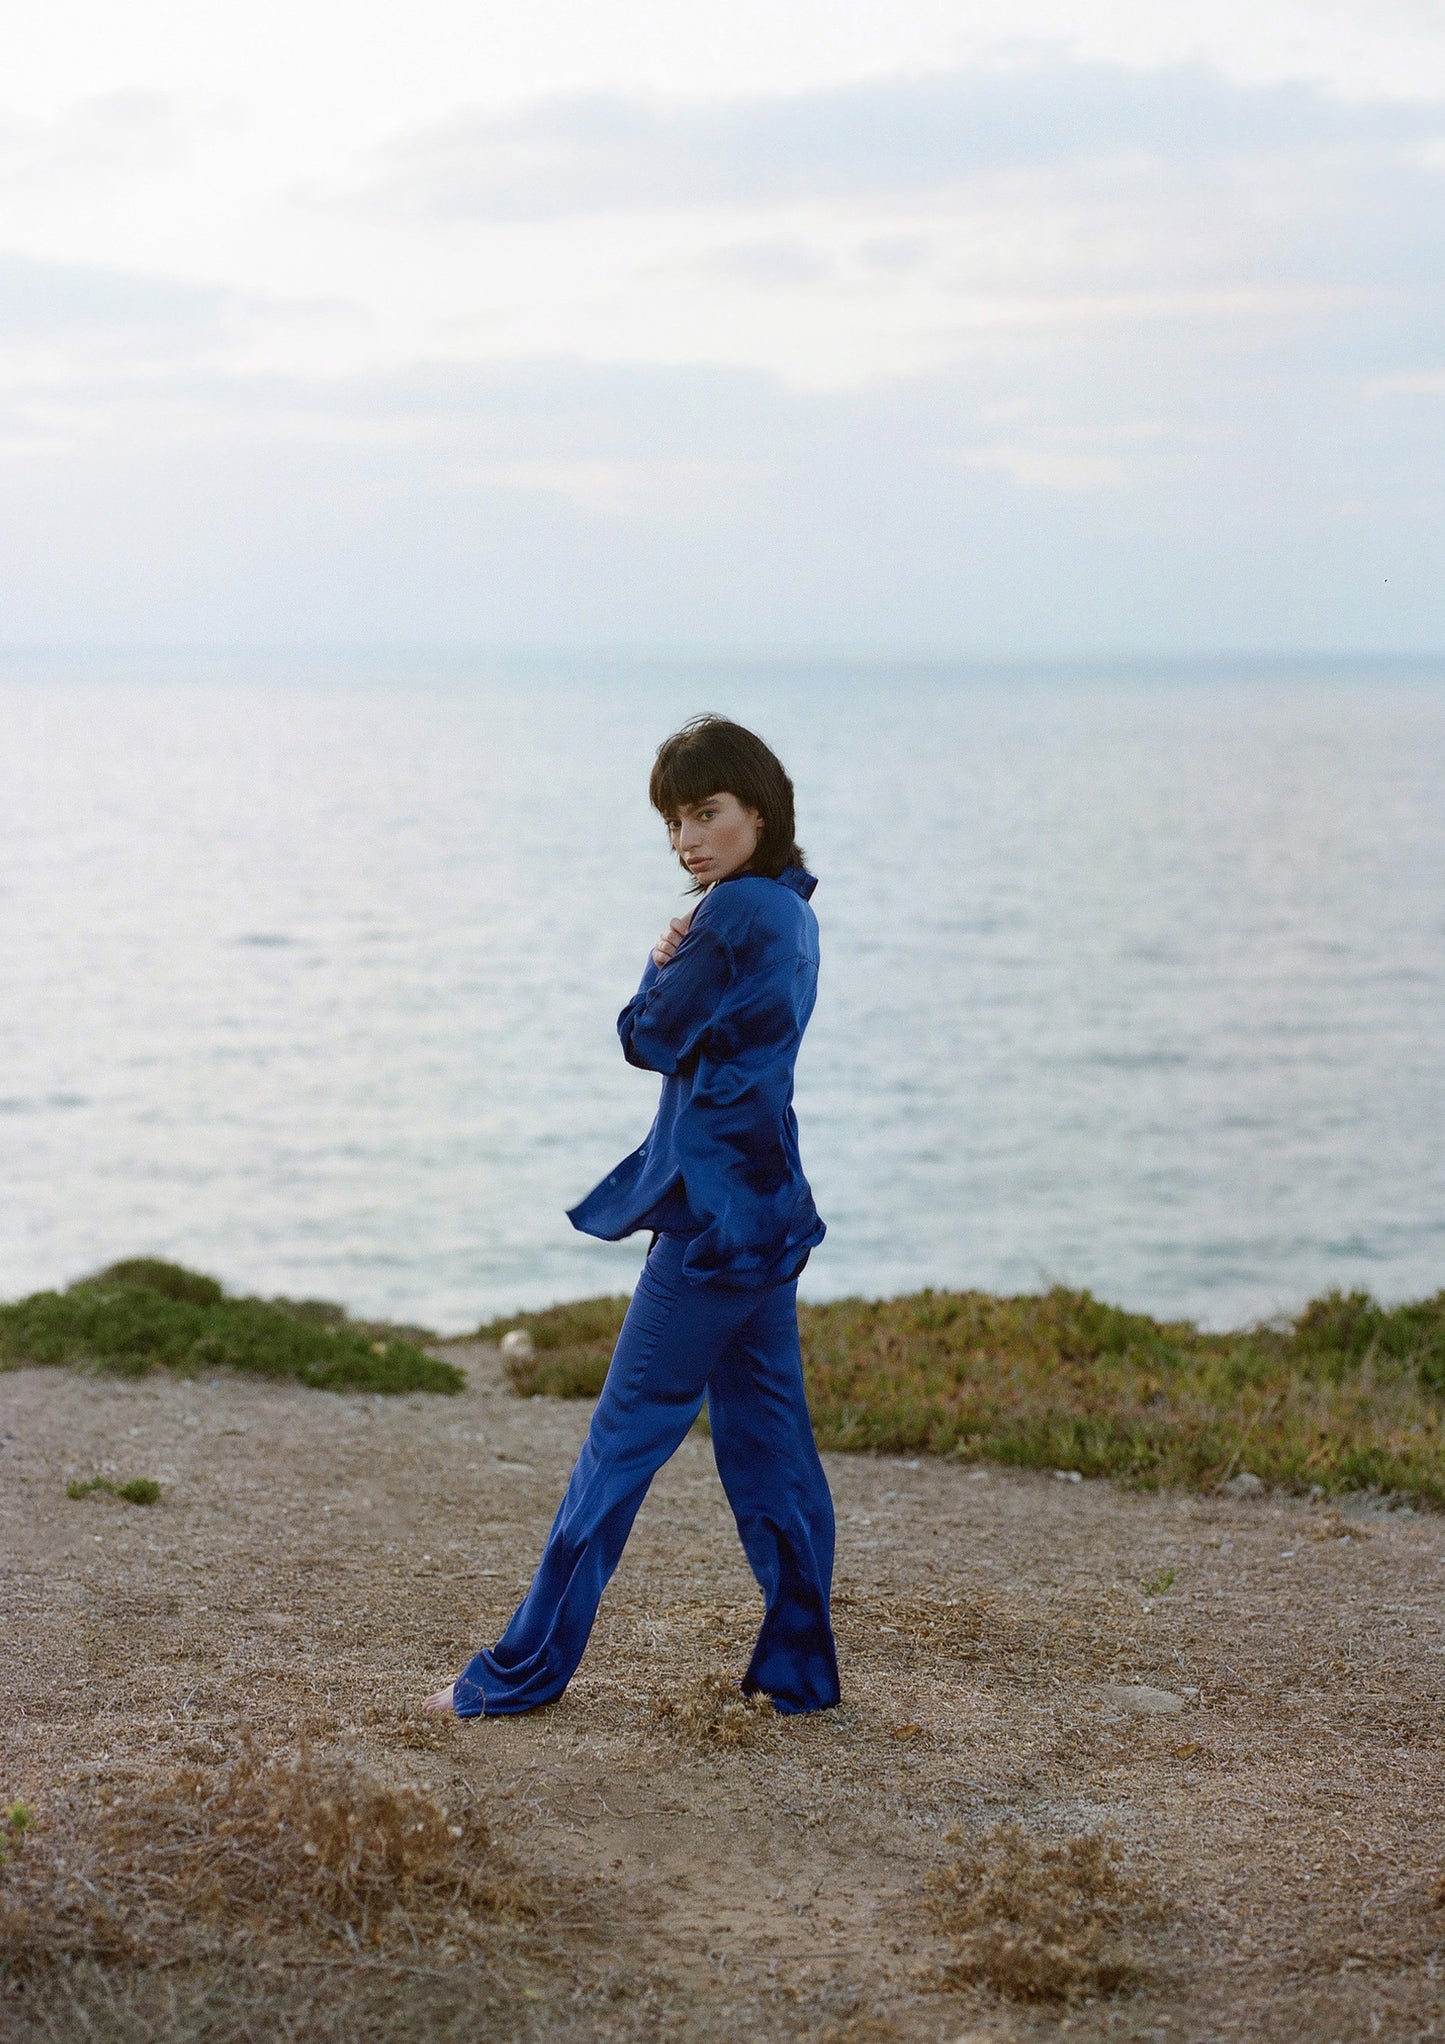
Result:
pixel 1245 1485
pixel 517 1342
pixel 1140 1699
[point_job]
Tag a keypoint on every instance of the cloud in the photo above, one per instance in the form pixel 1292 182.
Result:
pixel 605 488
pixel 602 152
pixel 1049 357
pixel 777 261
pixel 1050 468
pixel 1168 501
pixel 1414 383
pixel 325 542
pixel 87 301
pixel 106 135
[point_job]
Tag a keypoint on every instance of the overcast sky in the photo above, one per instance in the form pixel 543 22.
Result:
pixel 1021 328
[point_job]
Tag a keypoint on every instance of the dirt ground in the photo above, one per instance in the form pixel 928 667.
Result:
pixel 318 1562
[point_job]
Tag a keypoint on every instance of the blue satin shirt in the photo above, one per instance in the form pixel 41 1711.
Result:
pixel 722 1021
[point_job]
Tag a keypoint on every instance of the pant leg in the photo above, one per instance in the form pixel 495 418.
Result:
pixel 670 1341
pixel 770 1469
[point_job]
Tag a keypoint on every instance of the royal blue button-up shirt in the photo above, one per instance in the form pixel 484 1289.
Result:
pixel 722 1021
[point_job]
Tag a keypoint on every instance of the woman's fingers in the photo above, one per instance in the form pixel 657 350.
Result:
pixel 671 937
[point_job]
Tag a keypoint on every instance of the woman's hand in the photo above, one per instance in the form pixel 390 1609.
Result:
pixel 671 937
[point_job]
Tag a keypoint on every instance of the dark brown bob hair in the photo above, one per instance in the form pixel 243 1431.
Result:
pixel 713 756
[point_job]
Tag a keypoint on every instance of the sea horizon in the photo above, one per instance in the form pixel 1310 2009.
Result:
pixel 1133 973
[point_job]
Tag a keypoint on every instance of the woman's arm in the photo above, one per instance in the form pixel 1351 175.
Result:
pixel 664 1023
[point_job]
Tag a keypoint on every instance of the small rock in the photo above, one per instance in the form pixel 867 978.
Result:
pixel 1068 1476
pixel 518 1343
pixel 1140 1699
pixel 1245 1485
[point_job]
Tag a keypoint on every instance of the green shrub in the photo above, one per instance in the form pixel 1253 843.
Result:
pixel 1345 1328
pixel 14 1823
pixel 143 1315
pixel 152 1274
pixel 140 1490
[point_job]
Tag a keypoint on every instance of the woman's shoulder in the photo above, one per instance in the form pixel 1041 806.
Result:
pixel 750 903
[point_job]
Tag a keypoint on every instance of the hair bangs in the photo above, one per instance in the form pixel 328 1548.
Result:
pixel 684 776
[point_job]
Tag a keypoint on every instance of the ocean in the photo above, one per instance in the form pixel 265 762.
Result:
pixel 1133 978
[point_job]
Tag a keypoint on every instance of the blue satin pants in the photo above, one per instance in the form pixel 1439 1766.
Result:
pixel 682 1341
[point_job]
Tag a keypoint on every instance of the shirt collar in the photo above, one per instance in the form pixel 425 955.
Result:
pixel 798 878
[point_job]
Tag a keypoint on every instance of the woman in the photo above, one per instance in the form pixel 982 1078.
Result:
pixel 720 1013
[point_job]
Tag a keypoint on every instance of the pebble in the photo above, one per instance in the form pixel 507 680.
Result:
pixel 517 1342
pixel 1245 1485
pixel 1139 1698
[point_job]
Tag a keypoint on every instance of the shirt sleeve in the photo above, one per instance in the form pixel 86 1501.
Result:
pixel 663 1025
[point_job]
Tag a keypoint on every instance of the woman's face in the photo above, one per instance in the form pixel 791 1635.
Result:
pixel 714 837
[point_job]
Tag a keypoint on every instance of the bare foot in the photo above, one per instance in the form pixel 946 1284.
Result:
pixel 440 1705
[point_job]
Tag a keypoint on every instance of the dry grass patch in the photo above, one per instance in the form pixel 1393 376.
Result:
pixel 296 1852
pixel 254 2001
pixel 1041 1920
pixel 928 1629
pixel 714 1712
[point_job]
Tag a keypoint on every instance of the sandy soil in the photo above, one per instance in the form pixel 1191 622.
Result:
pixel 319 1562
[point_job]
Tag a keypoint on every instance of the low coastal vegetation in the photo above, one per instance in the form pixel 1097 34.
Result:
pixel 139 1490
pixel 145 1314
pixel 1350 1395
